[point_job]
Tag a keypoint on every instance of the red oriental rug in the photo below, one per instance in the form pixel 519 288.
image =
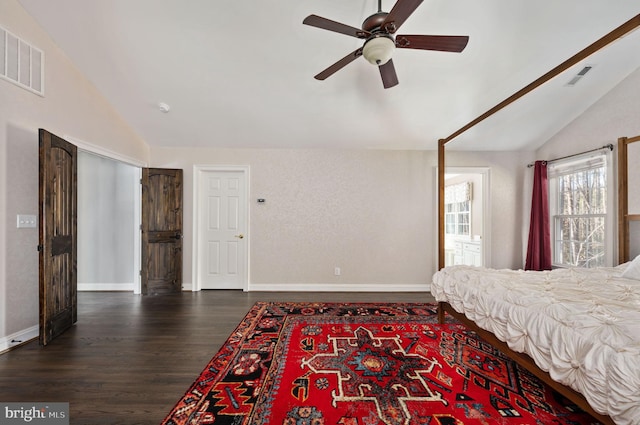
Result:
pixel 364 364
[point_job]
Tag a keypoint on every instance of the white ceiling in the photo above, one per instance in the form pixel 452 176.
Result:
pixel 240 74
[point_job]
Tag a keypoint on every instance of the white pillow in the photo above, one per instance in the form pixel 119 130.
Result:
pixel 633 269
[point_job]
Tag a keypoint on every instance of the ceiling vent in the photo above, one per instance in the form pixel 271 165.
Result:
pixel 579 75
pixel 21 63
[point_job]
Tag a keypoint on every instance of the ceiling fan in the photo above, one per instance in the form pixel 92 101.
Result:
pixel 377 31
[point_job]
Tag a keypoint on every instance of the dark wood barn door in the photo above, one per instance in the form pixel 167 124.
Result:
pixel 161 231
pixel 57 236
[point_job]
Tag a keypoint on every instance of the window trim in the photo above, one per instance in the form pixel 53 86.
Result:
pixel 455 213
pixel 574 165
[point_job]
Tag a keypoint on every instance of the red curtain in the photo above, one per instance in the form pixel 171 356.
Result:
pixel 539 247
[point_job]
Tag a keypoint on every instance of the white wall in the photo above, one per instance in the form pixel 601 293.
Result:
pixel 71 106
pixel 106 223
pixel 614 115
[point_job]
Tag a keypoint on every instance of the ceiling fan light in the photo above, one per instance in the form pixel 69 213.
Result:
pixel 378 50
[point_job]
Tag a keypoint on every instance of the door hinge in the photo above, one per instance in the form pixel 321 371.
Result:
pixel 40 248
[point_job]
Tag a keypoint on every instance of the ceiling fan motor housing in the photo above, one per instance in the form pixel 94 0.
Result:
pixel 380 45
pixel 374 22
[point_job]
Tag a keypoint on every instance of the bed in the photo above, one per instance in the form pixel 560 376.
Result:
pixel 576 329
pixel 580 326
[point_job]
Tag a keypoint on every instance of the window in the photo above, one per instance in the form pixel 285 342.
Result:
pixel 458 209
pixel 580 228
pixel 458 218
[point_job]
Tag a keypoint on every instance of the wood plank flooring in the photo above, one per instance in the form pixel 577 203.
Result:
pixel 130 358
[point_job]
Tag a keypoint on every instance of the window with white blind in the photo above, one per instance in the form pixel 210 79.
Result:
pixel 580 195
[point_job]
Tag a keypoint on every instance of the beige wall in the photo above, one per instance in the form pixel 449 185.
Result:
pixel 71 107
pixel 371 213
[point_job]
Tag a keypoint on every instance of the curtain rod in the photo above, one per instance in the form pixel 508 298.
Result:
pixel 609 146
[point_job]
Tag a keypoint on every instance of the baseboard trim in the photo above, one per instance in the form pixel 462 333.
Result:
pixel 339 287
pixel 14 340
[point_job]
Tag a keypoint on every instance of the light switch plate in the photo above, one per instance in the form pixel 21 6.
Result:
pixel 26 221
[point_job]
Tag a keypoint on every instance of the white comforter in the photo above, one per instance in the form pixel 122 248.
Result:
pixel 580 325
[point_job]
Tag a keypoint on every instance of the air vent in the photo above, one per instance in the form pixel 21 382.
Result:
pixel 21 63
pixel 579 75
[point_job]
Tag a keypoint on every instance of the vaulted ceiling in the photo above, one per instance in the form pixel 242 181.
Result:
pixel 240 74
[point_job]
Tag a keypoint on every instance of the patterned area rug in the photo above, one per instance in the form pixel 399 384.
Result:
pixel 364 364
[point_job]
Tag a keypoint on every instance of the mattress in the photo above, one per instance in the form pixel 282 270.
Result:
pixel 580 325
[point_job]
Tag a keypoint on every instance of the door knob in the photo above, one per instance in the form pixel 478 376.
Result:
pixel 240 236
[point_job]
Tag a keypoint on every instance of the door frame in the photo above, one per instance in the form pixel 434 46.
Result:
pixel 137 222
pixel 486 205
pixel 198 172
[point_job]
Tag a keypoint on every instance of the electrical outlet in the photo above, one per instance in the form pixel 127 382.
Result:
pixel 336 271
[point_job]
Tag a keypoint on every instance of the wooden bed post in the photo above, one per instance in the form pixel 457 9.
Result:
pixel 441 166
pixel 441 169
pixel 441 312
pixel 623 199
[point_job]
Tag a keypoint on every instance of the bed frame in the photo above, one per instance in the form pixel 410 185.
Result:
pixel 525 361
pixel 623 256
pixel 444 308
pixel 623 199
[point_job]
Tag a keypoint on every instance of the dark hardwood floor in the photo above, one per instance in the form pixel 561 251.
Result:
pixel 130 358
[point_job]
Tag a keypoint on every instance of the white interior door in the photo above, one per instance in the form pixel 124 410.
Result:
pixel 222 229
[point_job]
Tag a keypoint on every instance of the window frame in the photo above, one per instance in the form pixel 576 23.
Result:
pixel 457 213
pixel 572 166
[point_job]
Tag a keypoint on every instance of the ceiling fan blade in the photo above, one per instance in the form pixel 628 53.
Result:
pixel 388 74
pixel 328 24
pixel 400 12
pixel 442 43
pixel 339 65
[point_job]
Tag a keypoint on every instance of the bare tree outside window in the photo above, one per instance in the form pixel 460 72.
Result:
pixel 579 225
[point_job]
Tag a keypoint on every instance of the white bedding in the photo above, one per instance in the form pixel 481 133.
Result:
pixel 580 325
